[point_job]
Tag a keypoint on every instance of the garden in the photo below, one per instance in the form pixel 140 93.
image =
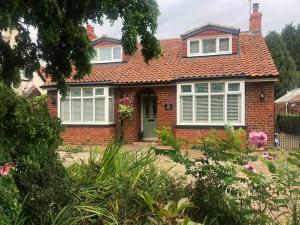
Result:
pixel 115 186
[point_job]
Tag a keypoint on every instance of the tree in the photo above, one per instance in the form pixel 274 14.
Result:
pixel 61 38
pixel 291 36
pixel 284 63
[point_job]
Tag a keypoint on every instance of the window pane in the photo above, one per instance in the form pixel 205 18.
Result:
pixel 88 110
pixel 96 56
pixel 202 108
pixel 194 47
pixel 186 108
pixel 217 108
pixel 201 88
pixel 186 88
pixel 99 109
pixel 234 87
pixel 224 45
pixel 105 54
pixel 87 91
pixel 65 110
pixel 76 110
pixel 76 92
pixel 209 45
pixel 117 53
pixel 233 108
pixel 99 91
pixel 217 87
pixel 111 110
pixel 110 92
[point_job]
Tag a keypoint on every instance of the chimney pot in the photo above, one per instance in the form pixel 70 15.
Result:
pixel 255 7
pixel 255 19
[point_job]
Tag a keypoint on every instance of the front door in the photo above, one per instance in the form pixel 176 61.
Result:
pixel 149 107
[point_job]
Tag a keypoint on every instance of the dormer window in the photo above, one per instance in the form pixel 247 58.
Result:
pixel 209 46
pixel 108 54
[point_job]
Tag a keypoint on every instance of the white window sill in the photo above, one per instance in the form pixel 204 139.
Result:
pixel 88 124
pixel 208 54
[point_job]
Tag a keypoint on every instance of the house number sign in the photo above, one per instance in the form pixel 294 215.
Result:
pixel 168 107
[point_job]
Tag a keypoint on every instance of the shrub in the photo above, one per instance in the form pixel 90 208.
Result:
pixel 289 123
pixel 29 137
pixel 224 192
pixel 108 187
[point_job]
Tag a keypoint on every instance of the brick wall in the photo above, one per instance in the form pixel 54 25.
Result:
pixel 52 102
pixel 88 135
pixel 235 42
pixel 260 114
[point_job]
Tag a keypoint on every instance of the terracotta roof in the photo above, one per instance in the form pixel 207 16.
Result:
pixel 253 60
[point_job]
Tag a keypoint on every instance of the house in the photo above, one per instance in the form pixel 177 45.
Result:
pixel 28 88
pixel 211 76
pixel 289 103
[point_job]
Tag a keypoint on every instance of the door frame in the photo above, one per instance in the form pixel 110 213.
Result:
pixel 142 114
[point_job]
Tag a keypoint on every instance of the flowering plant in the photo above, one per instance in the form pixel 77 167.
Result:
pixel 259 139
pixel 4 170
pixel 126 108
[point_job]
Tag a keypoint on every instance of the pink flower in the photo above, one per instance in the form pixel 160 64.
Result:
pixel 4 170
pixel 258 139
pixel 250 168
pixel 267 156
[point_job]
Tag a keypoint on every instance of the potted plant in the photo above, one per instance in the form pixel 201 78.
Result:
pixel 126 110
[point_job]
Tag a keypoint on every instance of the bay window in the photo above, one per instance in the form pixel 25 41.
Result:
pixel 209 46
pixel 88 105
pixel 211 103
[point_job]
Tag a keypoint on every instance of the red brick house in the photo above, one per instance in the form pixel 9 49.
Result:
pixel 209 77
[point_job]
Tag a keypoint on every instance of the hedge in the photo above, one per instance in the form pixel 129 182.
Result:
pixel 288 123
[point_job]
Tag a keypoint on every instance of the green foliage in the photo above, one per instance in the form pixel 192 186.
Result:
pixel 62 41
pixel 107 187
pixel 288 123
pixel 224 192
pixel 29 137
pixel 170 213
pixel 291 36
pixel 285 64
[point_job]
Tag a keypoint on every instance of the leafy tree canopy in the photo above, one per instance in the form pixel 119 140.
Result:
pixel 291 36
pixel 62 41
pixel 284 62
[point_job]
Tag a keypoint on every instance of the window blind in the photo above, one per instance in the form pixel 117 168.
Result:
pixel 233 108
pixel 186 108
pixel 65 110
pixel 88 110
pixel 76 110
pixel 202 108
pixel 217 108
pixel 99 109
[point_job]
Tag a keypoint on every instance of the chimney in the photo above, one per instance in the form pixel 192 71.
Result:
pixel 90 32
pixel 255 19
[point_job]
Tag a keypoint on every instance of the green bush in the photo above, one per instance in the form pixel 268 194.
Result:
pixel 224 192
pixel 9 197
pixel 29 137
pixel 289 123
pixel 108 187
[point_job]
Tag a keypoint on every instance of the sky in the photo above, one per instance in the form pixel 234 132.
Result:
pixel 179 16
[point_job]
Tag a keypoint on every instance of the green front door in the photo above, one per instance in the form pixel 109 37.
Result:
pixel 149 106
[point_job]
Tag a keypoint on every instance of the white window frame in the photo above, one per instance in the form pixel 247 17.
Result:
pixel 97 49
pixel 218 52
pixel 106 98
pixel 209 94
